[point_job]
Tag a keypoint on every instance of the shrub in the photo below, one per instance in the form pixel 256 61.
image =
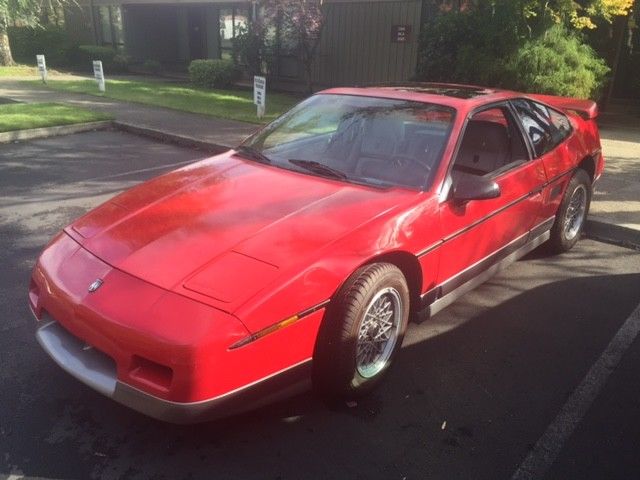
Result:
pixel 557 63
pixel 152 66
pixel 121 62
pixel 213 73
pixel 89 53
pixel 52 41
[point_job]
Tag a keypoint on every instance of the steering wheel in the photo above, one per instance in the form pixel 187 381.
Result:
pixel 403 161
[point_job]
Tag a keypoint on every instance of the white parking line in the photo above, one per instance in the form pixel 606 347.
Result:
pixel 548 447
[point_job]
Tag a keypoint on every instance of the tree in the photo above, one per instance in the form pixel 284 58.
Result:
pixel 25 12
pixel 578 15
pixel 302 21
pixel 530 45
pixel 586 15
pixel 470 45
pixel 7 9
pixel 249 46
pixel 5 48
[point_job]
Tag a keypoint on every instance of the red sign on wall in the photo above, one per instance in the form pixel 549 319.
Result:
pixel 400 33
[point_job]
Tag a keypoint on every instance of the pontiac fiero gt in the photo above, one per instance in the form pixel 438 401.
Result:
pixel 300 256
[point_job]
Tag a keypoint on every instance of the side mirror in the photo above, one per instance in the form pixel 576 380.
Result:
pixel 475 189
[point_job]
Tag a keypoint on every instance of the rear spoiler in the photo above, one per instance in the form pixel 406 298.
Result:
pixel 587 109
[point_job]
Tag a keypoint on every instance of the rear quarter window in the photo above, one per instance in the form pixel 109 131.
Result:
pixel 546 127
pixel 561 122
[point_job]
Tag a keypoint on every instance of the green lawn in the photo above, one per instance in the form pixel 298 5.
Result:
pixel 21 116
pixel 23 71
pixel 230 104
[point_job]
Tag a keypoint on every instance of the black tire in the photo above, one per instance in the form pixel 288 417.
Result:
pixel 563 239
pixel 336 371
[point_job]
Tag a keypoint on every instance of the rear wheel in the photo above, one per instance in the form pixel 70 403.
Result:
pixel 362 331
pixel 572 213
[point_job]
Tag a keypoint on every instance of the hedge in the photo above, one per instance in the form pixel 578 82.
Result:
pixel 89 53
pixel 213 73
pixel 52 41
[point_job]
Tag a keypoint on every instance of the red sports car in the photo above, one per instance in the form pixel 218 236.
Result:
pixel 300 256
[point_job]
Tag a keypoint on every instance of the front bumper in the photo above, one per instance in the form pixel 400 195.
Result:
pixel 98 371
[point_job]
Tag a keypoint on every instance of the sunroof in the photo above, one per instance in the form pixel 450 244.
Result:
pixel 456 91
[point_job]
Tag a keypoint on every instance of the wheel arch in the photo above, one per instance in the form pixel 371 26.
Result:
pixel 588 164
pixel 410 267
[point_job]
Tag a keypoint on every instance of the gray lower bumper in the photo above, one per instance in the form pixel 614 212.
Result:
pixel 98 370
pixel 87 364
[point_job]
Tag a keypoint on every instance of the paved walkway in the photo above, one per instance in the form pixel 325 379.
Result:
pixel 616 198
pixel 615 210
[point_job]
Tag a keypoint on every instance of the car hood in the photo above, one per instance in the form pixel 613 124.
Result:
pixel 224 228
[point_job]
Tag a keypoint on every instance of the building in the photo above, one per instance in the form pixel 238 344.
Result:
pixel 363 41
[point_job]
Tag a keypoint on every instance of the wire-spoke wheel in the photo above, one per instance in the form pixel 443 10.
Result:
pixel 362 331
pixel 572 213
pixel 378 332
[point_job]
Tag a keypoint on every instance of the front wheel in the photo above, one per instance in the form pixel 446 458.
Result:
pixel 572 213
pixel 362 331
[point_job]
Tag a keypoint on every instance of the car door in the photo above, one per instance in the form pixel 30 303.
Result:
pixel 546 130
pixel 479 233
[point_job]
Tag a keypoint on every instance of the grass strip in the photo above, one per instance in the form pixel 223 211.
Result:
pixel 23 71
pixel 227 104
pixel 23 116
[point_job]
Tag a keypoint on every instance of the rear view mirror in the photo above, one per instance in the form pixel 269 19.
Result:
pixel 475 189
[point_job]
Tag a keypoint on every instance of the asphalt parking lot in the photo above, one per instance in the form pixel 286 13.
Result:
pixel 472 392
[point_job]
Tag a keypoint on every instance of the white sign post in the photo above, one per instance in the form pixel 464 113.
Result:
pixel 98 74
pixel 260 94
pixel 42 67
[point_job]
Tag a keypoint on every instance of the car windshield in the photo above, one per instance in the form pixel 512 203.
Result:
pixel 375 141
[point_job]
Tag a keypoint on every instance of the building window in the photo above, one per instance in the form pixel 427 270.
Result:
pixel 232 20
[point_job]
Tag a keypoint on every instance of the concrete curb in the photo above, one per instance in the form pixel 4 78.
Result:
pixel 182 140
pixel 164 136
pixel 614 234
pixel 44 132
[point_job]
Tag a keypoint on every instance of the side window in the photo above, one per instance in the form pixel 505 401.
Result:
pixel 491 142
pixel 546 127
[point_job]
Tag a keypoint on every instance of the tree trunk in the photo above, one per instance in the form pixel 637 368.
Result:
pixel 619 26
pixel 306 57
pixel 308 68
pixel 5 49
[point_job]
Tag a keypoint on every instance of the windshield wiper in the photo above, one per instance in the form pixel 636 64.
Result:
pixel 319 168
pixel 253 154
